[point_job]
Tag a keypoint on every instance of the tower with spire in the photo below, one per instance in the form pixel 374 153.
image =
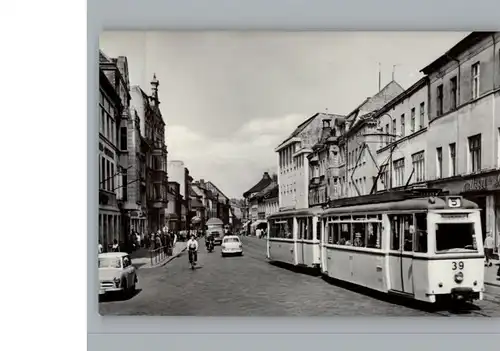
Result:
pixel 154 89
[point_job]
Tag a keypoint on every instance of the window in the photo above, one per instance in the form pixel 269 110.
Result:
pixel 421 233
pixel 387 134
pixel 399 170
pixel 453 236
pixel 333 233
pixel 453 159
pixel 475 80
pixel 439 162
pixel 422 114
pixel 475 152
pixel 359 230
pixel 394 127
pixel 124 185
pixel 373 239
pixel 418 162
pixel 412 122
pixel 403 125
pixel 407 227
pixel 123 138
pixel 384 176
pixel 439 102
pixel 453 93
pixel 395 238
pixel 102 173
pixel 112 177
pixel 345 232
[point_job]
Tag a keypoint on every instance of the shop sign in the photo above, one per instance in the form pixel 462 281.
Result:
pixel 491 182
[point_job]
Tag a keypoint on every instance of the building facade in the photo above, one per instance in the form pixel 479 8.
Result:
pixel 111 108
pixel 358 170
pixel 464 121
pixel 401 138
pixel 252 201
pixel 154 147
pixel 174 206
pixel 293 165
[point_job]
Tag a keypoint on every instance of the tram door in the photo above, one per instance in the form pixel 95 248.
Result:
pixel 301 231
pixel 407 231
pixel 401 257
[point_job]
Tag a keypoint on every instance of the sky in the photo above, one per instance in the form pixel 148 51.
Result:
pixel 229 98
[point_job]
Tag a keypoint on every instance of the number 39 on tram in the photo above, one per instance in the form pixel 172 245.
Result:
pixel 426 248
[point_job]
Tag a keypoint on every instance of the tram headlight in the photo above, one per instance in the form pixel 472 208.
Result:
pixel 459 277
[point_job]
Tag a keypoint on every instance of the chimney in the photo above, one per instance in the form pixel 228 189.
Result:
pixel 202 181
pixel 275 178
pixel 266 175
pixel 327 129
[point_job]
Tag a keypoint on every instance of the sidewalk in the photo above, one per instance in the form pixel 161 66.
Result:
pixel 490 274
pixel 141 258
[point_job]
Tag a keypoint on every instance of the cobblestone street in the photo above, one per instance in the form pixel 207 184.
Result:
pixel 250 286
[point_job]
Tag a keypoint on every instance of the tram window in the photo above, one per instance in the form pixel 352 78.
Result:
pixel 394 232
pixel 345 234
pixel 318 230
pixel 407 224
pixel 273 232
pixel 301 228
pixel 359 238
pixel 455 236
pixel 420 232
pixel 289 229
pixel 332 232
pixel 309 232
pixel 373 237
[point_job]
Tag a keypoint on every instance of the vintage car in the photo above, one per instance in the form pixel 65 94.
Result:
pixel 231 245
pixel 116 273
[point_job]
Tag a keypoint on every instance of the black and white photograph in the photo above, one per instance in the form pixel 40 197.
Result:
pixel 268 173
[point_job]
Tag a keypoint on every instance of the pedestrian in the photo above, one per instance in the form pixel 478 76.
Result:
pixel 489 245
pixel 99 247
pixel 115 247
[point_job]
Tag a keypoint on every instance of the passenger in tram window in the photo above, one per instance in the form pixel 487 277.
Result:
pixel 359 234
pixel 345 234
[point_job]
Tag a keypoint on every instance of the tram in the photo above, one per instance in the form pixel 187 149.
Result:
pixel 424 246
pixel 294 237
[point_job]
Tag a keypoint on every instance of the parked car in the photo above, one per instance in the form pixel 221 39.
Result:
pixel 116 273
pixel 231 245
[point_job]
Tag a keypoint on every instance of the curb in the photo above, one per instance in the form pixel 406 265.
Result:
pixel 170 258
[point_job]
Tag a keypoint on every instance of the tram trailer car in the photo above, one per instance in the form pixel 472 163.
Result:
pixel 427 248
pixel 294 238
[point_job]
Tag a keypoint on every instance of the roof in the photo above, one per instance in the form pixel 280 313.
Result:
pixel 112 254
pixel 299 212
pixel 458 48
pixel 304 124
pixel 261 185
pixel 410 204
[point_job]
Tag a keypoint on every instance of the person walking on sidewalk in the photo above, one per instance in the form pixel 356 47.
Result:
pixel 489 245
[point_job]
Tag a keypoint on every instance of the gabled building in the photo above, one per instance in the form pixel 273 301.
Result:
pixel 358 168
pixel 293 165
pixel 251 200
pixel 323 163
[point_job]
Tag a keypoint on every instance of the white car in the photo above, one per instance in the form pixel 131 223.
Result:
pixel 116 273
pixel 231 245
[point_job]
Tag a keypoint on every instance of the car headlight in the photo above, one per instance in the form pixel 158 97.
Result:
pixel 459 277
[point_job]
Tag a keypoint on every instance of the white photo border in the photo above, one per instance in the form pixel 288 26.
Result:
pixel 250 333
